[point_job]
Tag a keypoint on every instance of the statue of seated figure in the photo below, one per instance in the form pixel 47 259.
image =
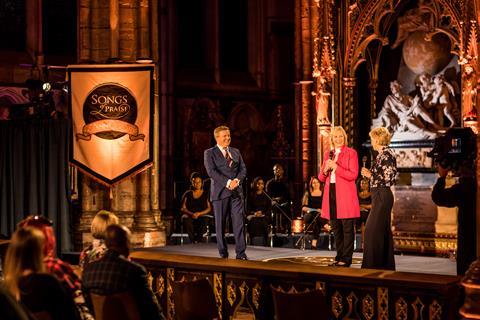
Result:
pixel 405 117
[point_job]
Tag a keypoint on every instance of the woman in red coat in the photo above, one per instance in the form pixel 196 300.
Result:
pixel 340 201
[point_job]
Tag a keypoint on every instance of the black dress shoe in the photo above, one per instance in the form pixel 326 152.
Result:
pixel 343 264
pixel 242 258
pixel 224 256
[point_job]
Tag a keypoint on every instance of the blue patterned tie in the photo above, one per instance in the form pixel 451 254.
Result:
pixel 227 156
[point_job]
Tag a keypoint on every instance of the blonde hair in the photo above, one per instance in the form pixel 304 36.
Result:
pixel 341 130
pixel 100 223
pixel 220 129
pixel 381 135
pixel 25 252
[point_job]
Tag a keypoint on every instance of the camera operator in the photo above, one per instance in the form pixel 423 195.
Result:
pixel 462 195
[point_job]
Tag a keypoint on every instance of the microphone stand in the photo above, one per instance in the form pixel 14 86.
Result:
pixel 302 238
pixel 276 205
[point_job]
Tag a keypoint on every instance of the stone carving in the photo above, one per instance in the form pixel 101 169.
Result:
pixel 469 92
pixel 321 101
pixel 413 20
pixel 443 99
pixel 405 117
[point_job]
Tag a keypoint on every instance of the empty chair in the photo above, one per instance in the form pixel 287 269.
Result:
pixel 119 306
pixel 300 305
pixel 194 300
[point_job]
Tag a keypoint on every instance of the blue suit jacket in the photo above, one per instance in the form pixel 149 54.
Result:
pixel 219 171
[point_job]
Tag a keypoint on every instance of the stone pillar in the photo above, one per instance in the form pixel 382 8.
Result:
pixel 123 201
pixel 93 200
pixel 346 117
pixel 373 85
pixel 143 43
pixel 114 28
pixel 99 27
pixel 128 30
pixel 306 128
pixel 146 230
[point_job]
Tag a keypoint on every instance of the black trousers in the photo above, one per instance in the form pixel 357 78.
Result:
pixel 378 238
pixel 343 230
pixel 195 228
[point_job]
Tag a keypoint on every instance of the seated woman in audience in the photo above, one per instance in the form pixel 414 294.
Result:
pixel 195 205
pixel 53 265
pixel 259 208
pixel 311 207
pixel 26 279
pixel 97 249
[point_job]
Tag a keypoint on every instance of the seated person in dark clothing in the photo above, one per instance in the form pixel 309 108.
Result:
pixel 27 281
pixel 114 273
pixel 312 209
pixel 195 205
pixel 279 190
pixel 10 308
pixel 463 196
pixel 258 211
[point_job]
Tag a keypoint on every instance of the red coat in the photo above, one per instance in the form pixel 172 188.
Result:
pixel 346 190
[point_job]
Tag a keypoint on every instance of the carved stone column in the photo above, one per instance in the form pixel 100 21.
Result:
pixel 307 146
pixel 347 109
pixel 123 201
pixel 145 228
pixel 373 85
pixel 114 28
pixel 93 200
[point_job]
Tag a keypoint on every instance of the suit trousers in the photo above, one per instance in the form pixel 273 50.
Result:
pixel 232 206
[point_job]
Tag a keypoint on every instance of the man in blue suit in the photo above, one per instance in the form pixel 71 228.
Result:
pixel 227 171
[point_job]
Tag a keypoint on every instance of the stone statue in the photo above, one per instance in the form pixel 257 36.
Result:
pixel 444 99
pixel 405 117
pixel 321 101
pixel 416 19
pixel 426 87
pixel 469 92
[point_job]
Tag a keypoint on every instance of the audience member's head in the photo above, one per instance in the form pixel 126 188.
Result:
pixel 45 225
pixel 117 238
pixel 24 253
pixel 100 223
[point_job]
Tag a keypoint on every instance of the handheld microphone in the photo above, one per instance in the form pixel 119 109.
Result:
pixel 331 154
pixel 364 161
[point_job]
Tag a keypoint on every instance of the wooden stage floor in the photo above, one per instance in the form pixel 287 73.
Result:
pixel 315 258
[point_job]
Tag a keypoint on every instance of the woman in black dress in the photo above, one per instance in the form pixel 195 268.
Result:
pixel 259 208
pixel 378 241
pixel 311 207
pixel 195 205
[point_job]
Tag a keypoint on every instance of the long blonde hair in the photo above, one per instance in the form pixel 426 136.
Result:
pixel 25 253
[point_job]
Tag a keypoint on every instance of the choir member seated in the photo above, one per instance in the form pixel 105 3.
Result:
pixel 312 209
pixel 258 213
pixel 196 209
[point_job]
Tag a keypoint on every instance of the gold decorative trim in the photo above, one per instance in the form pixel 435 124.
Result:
pixel 170 301
pixel 382 303
pixel 401 309
pixel 218 292
pixel 256 291
pixel 160 285
pixel 367 307
pixel 352 306
pixel 231 293
pixel 150 280
pixel 243 293
pixel 435 311
pixel 337 304
pixel 418 307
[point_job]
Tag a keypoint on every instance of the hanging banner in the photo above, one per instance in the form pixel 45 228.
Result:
pixel 111 108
